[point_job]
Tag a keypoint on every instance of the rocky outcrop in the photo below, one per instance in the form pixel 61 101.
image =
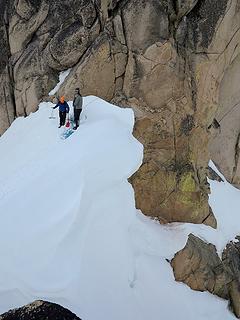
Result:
pixel 231 261
pixel 165 59
pixel 199 266
pixel 170 82
pixel 39 310
pixel 57 36
pixel 7 108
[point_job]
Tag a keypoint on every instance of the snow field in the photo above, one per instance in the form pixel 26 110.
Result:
pixel 70 232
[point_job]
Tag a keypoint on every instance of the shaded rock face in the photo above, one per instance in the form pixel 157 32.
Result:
pixel 163 58
pixel 199 266
pixel 39 310
pixel 225 145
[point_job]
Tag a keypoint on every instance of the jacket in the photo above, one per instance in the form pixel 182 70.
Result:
pixel 63 107
pixel 77 102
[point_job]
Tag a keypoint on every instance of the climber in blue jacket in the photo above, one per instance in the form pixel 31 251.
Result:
pixel 63 110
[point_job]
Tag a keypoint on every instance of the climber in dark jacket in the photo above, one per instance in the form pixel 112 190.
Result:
pixel 77 107
pixel 63 110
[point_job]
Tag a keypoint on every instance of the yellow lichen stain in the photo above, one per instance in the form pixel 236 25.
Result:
pixel 187 183
pixel 186 199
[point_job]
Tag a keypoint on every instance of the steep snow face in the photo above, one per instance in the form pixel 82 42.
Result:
pixel 70 232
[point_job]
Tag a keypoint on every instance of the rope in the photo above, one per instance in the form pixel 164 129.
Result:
pixel 229 111
pixel 90 102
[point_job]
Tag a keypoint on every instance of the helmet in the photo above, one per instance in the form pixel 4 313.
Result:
pixel 62 99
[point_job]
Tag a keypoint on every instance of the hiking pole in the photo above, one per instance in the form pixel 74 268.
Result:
pixel 51 116
pixel 87 105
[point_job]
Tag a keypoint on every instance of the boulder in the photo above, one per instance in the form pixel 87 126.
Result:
pixel 231 262
pixel 39 310
pixel 199 266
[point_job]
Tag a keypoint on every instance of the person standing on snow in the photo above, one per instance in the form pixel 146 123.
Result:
pixel 77 107
pixel 63 110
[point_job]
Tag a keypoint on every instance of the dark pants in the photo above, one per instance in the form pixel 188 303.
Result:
pixel 77 113
pixel 62 116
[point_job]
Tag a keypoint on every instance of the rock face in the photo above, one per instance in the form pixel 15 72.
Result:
pixel 225 145
pixel 167 59
pixel 39 310
pixel 199 266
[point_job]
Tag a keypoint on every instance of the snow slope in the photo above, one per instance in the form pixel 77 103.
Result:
pixel 70 232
